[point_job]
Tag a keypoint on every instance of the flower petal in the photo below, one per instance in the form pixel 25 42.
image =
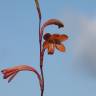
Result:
pixel 51 47
pixel 59 37
pixel 11 78
pixel 60 47
pixel 8 74
pixel 46 36
pixel 45 44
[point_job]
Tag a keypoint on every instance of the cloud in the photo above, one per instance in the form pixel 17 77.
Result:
pixel 81 29
pixel 89 25
pixel 85 45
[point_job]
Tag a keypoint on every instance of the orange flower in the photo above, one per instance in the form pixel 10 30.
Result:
pixel 54 41
pixel 11 72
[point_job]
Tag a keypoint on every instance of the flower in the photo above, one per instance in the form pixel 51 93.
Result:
pixel 51 22
pixel 53 41
pixel 11 72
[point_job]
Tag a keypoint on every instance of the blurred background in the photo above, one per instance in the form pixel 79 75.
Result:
pixel 72 73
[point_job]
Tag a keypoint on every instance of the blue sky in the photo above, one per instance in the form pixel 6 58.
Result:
pixel 66 74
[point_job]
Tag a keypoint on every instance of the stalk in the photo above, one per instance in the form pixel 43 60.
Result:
pixel 41 59
pixel 41 69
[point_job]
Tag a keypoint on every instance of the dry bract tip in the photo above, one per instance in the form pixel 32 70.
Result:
pixel 38 8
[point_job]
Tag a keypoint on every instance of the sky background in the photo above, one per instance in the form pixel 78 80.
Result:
pixel 72 73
